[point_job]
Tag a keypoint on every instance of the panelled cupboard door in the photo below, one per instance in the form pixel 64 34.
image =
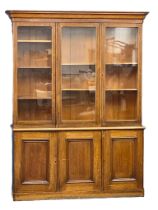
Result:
pixel 78 74
pixel 34 162
pixel 123 160
pixel 80 161
pixel 34 77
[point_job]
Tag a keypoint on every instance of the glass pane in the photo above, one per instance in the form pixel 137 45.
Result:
pixel 78 73
pixel 121 70
pixel 33 109
pixel 34 83
pixel 34 74
pixel 121 105
pixel 78 105
pixel 34 54
pixel 121 45
pixel 121 76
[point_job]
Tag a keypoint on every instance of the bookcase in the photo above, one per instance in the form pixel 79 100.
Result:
pixel 77 129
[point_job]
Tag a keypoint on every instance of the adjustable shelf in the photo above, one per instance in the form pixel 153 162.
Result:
pixel 34 41
pixel 34 67
pixel 77 89
pixel 122 89
pixel 33 98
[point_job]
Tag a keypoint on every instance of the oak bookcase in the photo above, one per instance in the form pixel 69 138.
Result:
pixel 77 128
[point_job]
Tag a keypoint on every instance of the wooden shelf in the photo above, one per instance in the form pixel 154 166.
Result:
pixel 120 64
pixel 34 67
pixel 78 64
pixel 77 89
pixel 128 89
pixel 34 41
pixel 33 98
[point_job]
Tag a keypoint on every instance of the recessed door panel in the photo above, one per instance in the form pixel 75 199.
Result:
pixel 122 160
pixel 35 161
pixel 79 161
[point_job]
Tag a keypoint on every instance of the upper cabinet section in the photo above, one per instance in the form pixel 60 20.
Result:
pixel 77 69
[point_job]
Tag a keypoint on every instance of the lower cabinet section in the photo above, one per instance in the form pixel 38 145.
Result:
pixel 66 164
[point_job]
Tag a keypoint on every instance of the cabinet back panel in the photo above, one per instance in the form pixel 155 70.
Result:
pixel 34 55
pixel 78 45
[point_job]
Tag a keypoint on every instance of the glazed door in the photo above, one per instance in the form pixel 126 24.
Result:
pixel 34 98
pixel 121 74
pixel 34 162
pixel 78 74
pixel 80 161
pixel 123 160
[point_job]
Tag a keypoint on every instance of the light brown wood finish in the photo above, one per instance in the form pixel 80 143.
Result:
pixel 34 77
pixel 14 14
pixel 122 160
pixel 78 128
pixel 87 142
pixel 80 161
pixel 35 162
pixel 122 90
pixel 79 57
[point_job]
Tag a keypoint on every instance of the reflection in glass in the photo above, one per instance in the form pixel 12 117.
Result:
pixel 78 77
pixel 121 45
pixel 121 76
pixel 121 68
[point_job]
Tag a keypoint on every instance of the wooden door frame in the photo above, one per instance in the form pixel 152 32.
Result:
pixel 76 123
pixel 15 81
pixel 139 73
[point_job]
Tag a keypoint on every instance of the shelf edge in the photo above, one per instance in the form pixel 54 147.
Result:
pixel 81 128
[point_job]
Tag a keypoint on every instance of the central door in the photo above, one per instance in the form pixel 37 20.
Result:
pixel 80 161
pixel 77 74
